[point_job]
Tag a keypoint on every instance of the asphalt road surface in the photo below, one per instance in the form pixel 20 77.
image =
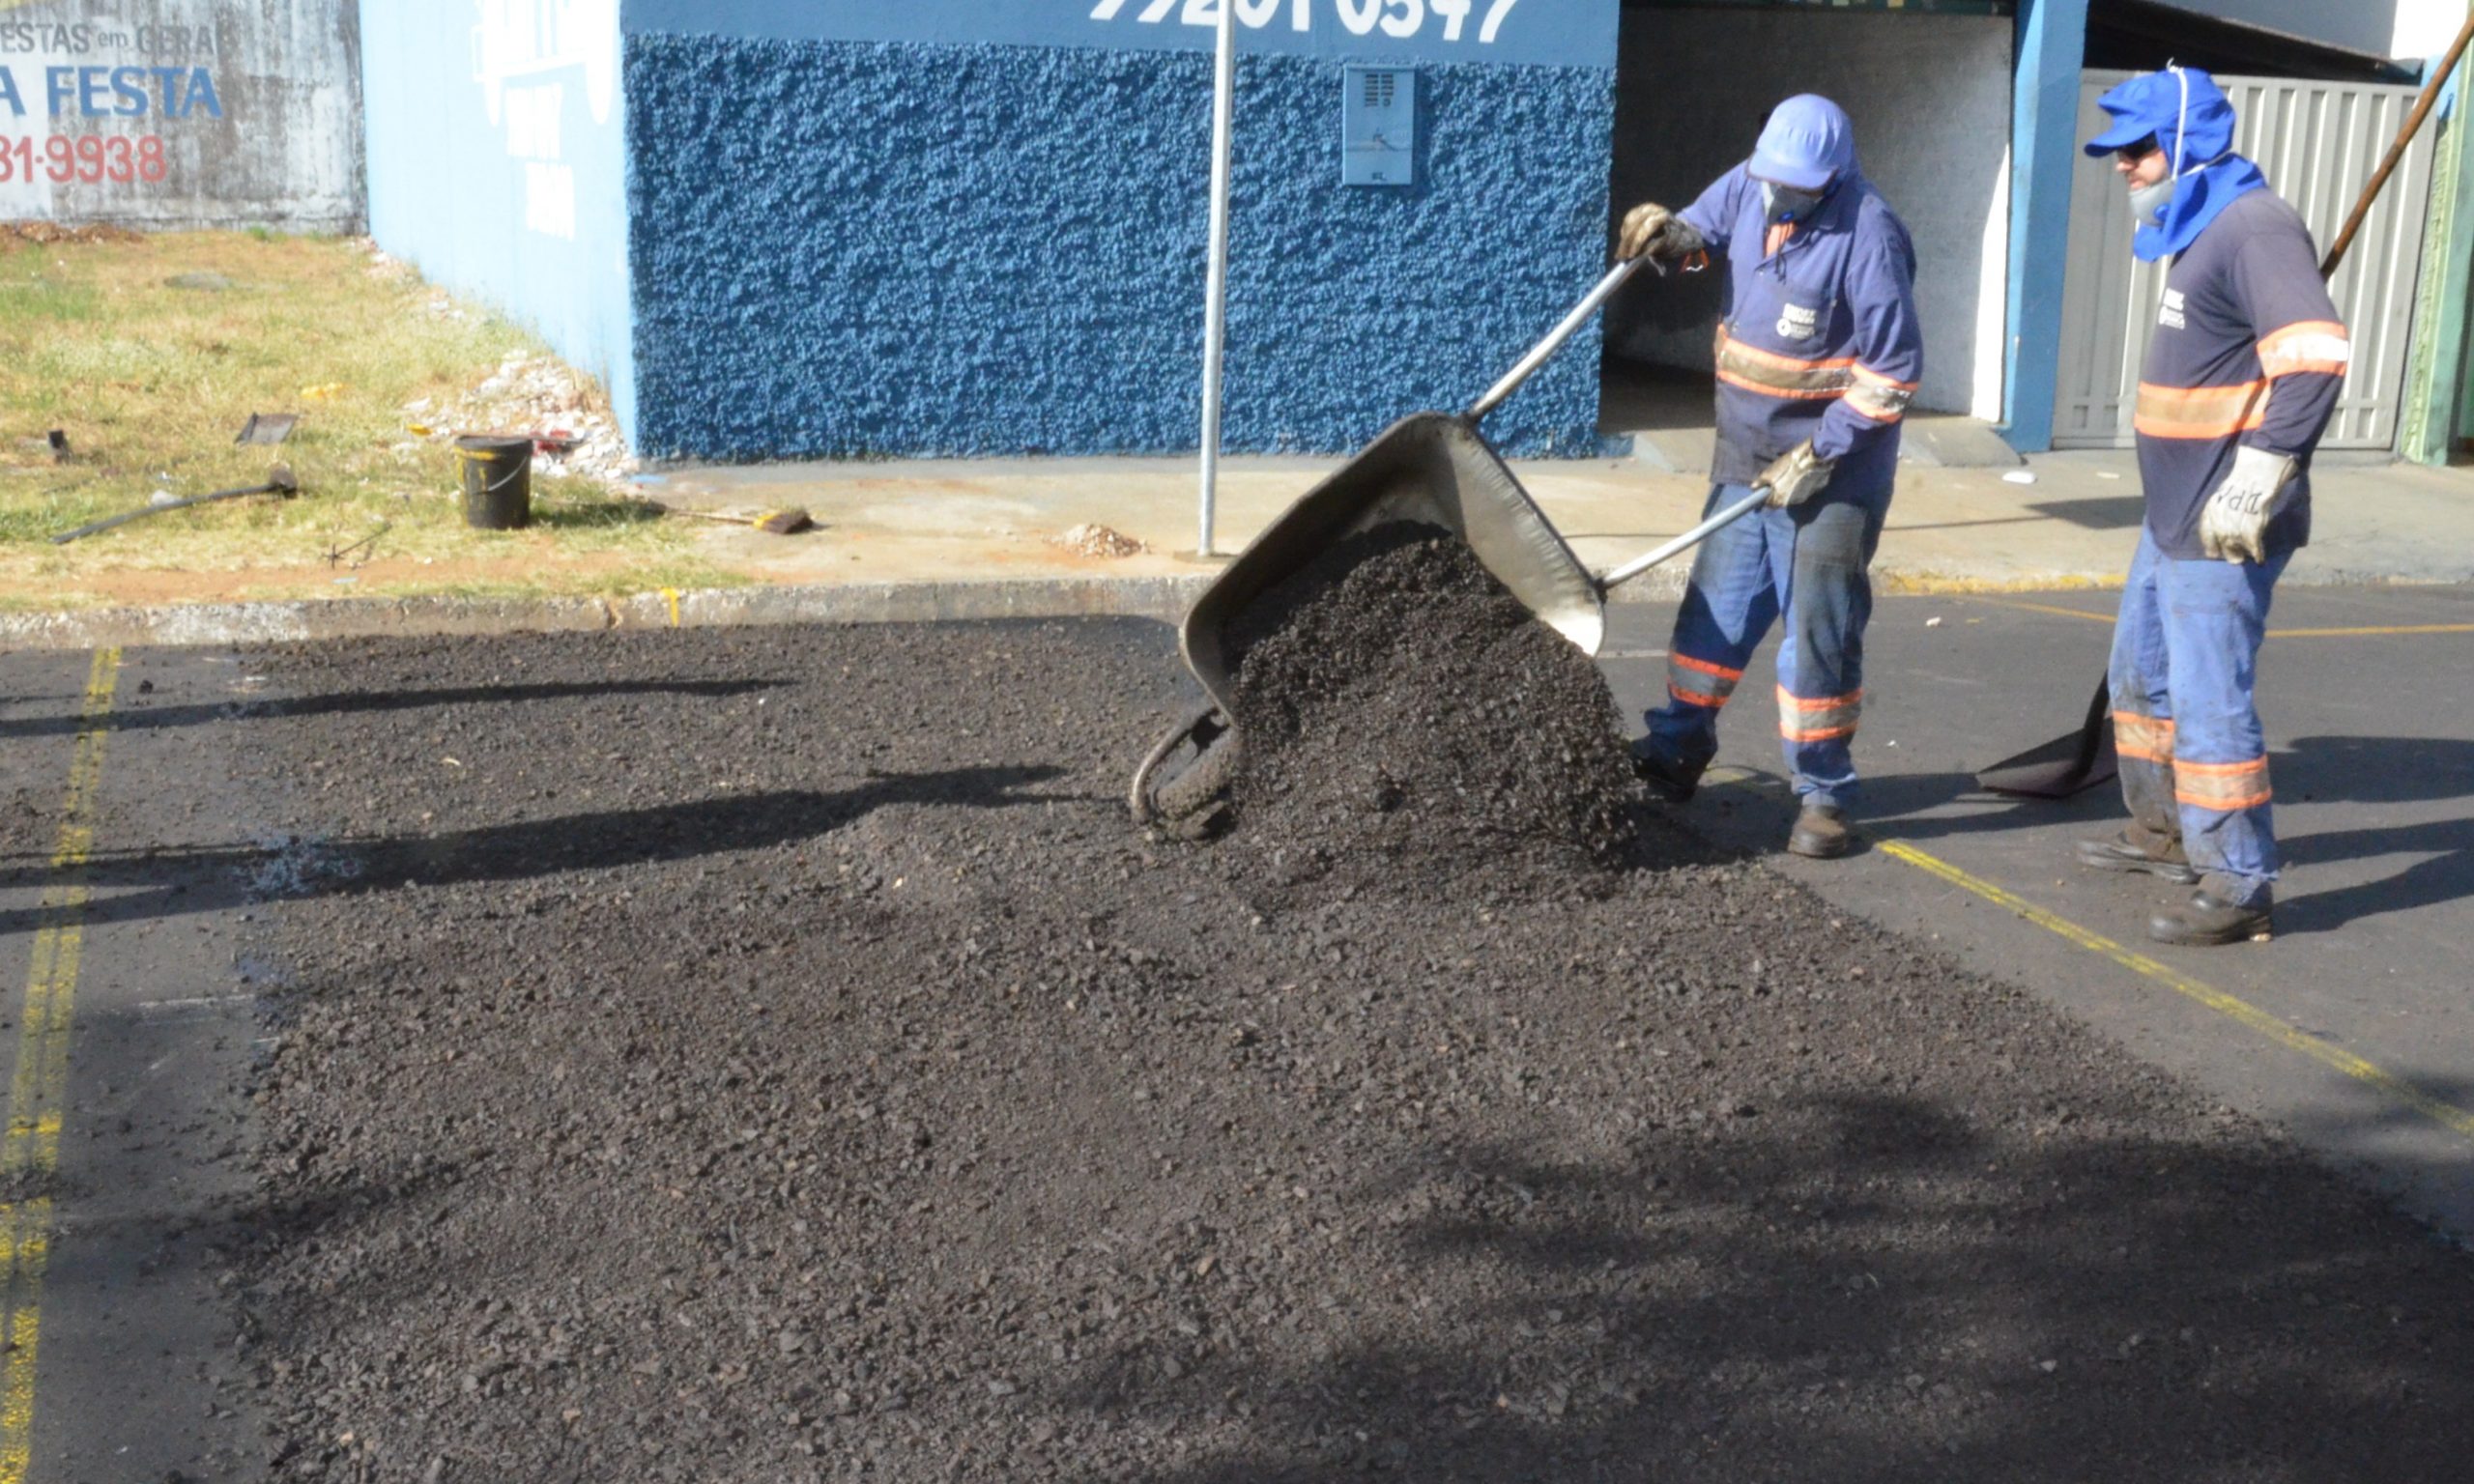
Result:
pixel 769 1055
pixel 2354 1029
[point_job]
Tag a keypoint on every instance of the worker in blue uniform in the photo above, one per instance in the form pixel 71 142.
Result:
pixel 1819 355
pixel 2242 373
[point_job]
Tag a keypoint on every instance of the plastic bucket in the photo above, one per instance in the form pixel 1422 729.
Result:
pixel 498 481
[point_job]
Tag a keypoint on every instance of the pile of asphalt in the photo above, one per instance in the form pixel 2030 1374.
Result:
pixel 1404 714
pixel 770 1055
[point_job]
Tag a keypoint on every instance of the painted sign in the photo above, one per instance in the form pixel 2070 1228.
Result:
pixel 527 55
pixel 1557 33
pixel 88 101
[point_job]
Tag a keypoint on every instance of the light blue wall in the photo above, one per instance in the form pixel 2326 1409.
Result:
pixel 479 202
pixel 938 227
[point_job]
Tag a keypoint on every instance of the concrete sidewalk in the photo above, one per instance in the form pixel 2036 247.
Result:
pixel 925 540
pixel 1951 529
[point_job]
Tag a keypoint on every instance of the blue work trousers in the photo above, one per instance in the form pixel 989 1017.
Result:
pixel 1809 563
pixel 2194 759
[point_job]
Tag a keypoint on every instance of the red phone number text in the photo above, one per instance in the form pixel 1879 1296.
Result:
pixel 91 159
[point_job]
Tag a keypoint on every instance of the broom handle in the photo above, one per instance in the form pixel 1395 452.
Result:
pixel 2397 151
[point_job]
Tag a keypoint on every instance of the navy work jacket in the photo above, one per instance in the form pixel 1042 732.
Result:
pixel 1818 338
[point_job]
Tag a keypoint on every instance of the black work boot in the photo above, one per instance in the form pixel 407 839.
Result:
pixel 2210 921
pixel 1672 781
pixel 1820 833
pixel 2139 850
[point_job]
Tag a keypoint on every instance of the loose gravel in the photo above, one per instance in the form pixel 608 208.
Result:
pixel 1404 717
pixel 770 1055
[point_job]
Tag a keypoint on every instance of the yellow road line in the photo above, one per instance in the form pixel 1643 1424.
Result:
pixel 2457 1120
pixel 2362 632
pixel 2048 608
pixel 38 1088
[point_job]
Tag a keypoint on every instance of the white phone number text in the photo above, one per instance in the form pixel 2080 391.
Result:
pixel 1399 19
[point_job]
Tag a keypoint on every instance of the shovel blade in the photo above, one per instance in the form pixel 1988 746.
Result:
pixel 1430 469
pixel 2057 770
pixel 2069 764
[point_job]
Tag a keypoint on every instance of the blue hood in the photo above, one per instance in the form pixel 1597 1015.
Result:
pixel 2213 177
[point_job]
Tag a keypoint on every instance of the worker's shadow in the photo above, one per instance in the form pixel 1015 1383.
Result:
pixel 179 882
pixel 2375 771
pixel 2322 770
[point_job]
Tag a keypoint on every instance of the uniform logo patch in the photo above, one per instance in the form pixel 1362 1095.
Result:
pixel 2170 316
pixel 1797 322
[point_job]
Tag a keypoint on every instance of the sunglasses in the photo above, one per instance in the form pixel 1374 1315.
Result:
pixel 2133 154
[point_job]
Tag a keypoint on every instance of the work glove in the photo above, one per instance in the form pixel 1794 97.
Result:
pixel 1653 229
pixel 2234 524
pixel 1796 477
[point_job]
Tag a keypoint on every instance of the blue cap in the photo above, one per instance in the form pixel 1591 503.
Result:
pixel 2151 104
pixel 1807 143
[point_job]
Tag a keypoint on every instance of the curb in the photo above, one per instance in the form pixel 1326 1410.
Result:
pixel 295 621
pixel 1161 598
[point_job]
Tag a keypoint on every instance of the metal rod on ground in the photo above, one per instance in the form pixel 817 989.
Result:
pixel 2397 151
pixel 1215 314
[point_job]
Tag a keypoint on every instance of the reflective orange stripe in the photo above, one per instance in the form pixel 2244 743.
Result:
pixel 1817 720
pixel 2200 411
pixel 2149 738
pixel 2223 787
pixel 1774 375
pixel 1705 667
pixel 2320 347
pixel 1878 397
pixel 1682 683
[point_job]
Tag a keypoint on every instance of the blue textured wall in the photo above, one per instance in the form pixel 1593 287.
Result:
pixel 476 201
pixel 848 248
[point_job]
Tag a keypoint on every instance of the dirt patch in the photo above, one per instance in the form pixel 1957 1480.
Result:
pixel 53 234
pixel 1404 715
pixel 769 1055
pixel 145 586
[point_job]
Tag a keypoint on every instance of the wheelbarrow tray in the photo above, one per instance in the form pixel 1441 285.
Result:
pixel 1432 468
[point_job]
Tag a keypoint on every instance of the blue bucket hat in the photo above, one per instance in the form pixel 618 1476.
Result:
pixel 2151 104
pixel 1808 142
pixel 2195 131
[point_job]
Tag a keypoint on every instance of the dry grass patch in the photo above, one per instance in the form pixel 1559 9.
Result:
pixel 149 354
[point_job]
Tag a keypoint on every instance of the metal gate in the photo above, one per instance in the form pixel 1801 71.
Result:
pixel 2318 143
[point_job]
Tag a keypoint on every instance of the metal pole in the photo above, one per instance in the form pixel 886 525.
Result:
pixel 1214 313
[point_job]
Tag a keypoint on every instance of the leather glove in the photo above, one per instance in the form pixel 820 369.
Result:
pixel 1796 477
pixel 2234 524
pixel 1651 228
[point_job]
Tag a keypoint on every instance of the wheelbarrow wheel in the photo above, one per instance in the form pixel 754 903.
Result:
pixel 1182 787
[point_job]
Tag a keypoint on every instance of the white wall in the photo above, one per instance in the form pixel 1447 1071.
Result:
pixel 1930 96
pixel 2425 27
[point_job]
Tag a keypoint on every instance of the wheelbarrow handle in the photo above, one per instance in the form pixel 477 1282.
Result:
pixel 1616 277
pixel 1685 542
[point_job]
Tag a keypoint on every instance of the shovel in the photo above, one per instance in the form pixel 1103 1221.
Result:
pixel 1431 468
pixel 279 481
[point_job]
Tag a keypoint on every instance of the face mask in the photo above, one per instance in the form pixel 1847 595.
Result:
pixel 1785 203
pixel 2148 202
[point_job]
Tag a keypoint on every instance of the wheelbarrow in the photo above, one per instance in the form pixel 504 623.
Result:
pixel 1432 468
